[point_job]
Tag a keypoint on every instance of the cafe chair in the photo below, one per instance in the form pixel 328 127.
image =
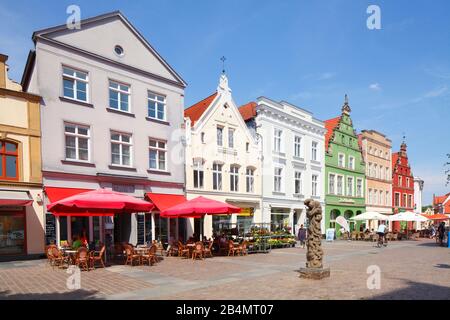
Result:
pixel 150 256
pixel 198 250
pixel 82 258
pixel 97 256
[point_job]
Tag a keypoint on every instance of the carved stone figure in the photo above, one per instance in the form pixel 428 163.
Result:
pixel 314 252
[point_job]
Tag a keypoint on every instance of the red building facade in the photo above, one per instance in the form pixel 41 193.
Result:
pixel 402 184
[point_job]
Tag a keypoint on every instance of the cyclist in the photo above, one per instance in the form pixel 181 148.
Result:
pixel 382 233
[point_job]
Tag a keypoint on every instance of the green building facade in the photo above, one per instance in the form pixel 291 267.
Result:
pixel 345 181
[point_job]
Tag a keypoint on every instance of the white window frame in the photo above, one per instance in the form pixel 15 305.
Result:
pixel 77 136
pixel 197 168
pixel 400 181
pixel 405 199
pixel 277 140
pixel 250 180
pixel 234 178
pixel 158 150
pixel 339 160
pixel 157 101
pixel 298 146
pixel 387 199
pixel 120 94
pixel 314 185
pixel 75 80
pixel 359 193
pixel 337 185
pixel 397 204
pixel 121 143
pixel 352 186
pixel 298 177
pixel 219 141
pixel 410 201
pixel 351 162
pixel 370 199
pixel 334 183
pixel 314 150
pixel 217 176
pixel 279 177
pixel 375 196
pixel 231 138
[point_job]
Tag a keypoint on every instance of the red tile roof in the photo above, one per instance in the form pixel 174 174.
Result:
pixel 330 125
pixel 394 158
pixel 195 111
pixel 248 111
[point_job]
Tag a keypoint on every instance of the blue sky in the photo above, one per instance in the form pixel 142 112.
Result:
pixel 309 53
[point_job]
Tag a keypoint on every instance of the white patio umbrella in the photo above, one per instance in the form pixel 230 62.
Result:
pixel 370 215
pixel 408 216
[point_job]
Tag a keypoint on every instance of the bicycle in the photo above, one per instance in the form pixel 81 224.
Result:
pixel 381 240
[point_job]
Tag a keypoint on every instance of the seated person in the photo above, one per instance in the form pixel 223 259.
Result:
pixel 76 242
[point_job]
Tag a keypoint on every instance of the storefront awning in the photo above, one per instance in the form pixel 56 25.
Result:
pixel 163 201
pixel 56 193
pixel 15 198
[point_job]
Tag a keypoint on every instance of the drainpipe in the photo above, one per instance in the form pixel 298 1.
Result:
pixel 260 139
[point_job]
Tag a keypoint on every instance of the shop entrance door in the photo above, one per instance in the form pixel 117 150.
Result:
pixel 122 228
pixel 12 232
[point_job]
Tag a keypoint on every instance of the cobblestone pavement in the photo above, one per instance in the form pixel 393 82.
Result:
pixel 409 270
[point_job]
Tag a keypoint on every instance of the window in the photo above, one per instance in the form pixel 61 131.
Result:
pixel 156 106
pixel 247 145
pixel 370 196
pixel 351 163
pixel 387 201
pixel 314 182
pixel 219 136
pixel 340 182
pixel 119 50
pixel 314 151
pixel 277 140
pixel 407 183
pixel 277 179
pixel 359 188
pixel 381 172
pixel 217 176
pixel 250 180
pixel 410 201
pixel 341 160
pixel 369 169
pixel 121 146
pixel 119 96
pixel 375 197
pixel 404 200
pixel 157 154
pixel 350 186
pixel 387 174
pixel 386 155
pixel 9 160
pixel 298 147
pixel 298 183
pixel 202 137
pixel 234 178
pixel 397 199
pixel 231 138
pixel 375 171
pixel 331 181
pixel 75 84
pixel 400 181
pixel 198 174
pixel 381 198
pixel 77 142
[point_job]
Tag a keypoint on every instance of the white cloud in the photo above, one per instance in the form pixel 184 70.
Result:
pixel 327 75
pixel 375 86
pixel 436 92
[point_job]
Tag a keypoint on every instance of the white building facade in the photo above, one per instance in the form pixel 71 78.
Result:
pixel 222 162
pixel 293 165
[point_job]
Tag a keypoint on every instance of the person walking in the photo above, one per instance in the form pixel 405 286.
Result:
pixel 441 233
pixel 302 236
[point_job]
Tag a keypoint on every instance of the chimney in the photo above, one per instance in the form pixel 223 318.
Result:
pixel 3 71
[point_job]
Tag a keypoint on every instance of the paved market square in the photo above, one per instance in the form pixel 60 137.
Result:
pixel 409 270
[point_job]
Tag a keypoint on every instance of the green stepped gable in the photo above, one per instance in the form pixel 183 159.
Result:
pixel 345 169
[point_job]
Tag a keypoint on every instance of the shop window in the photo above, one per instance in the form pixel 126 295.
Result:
pixel 12 232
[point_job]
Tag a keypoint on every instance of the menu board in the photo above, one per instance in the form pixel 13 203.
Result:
pixel 330 234
pixel 50 229
pixel 140 228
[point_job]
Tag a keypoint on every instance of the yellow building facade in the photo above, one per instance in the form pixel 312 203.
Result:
pixel 21 210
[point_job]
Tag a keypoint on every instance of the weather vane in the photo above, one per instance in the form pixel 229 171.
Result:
pixel 223 63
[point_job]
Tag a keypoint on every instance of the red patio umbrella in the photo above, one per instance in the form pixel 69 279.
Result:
pixel 99 202
pixel 198 208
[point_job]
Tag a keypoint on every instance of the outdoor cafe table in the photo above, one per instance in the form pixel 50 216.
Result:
pixel 71 254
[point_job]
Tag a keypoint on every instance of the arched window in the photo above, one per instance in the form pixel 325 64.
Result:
pixel 9 157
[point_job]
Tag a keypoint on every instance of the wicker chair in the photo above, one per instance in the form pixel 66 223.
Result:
pixel 82 258
pixel 366 236
pixel 97 256
pixel 243 248
pixel 58 258
pixel 198 250
pixel 49 254
pixel 173 250
pixel 354 236
pixel 232 249
pixel 183 250
pixel 208 250
pixel 150 256
pixel 131 256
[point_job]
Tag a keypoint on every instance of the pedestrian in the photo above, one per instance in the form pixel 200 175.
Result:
pixel 302 236
pixel 441 233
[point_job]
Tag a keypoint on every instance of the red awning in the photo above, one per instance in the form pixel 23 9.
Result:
pixel 163 201
pixel 15 198
pixel 98 202
pixel 56 194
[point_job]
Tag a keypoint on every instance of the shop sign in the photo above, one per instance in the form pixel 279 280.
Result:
pixel 346 200
pixel 246 212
